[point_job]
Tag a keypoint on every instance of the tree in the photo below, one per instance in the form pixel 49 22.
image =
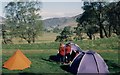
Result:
pixel 56 30
pixel 78 31
pixel 94 16
pixel 24 19
pixel 67 31
pixel 6 39
pixel 113 15
pixel 65 35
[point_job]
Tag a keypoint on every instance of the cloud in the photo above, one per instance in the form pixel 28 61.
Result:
pixel 50 14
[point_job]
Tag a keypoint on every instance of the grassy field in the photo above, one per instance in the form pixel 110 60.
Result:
pixel 43 38
pixel 39 54
pixel 99 44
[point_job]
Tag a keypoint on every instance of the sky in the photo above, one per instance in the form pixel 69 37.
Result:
pixel 60 9
pixel 54 8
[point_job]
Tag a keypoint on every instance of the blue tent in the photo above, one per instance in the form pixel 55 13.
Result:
pixel 75 47
pixel 88 62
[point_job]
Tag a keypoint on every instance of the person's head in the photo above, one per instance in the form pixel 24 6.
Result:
pixel 61 44
pixel 68 44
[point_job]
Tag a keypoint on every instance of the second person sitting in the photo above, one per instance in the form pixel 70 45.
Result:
pixel 67 53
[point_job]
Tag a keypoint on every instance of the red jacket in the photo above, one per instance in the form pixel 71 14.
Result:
pixel 62 51
pixel 67 49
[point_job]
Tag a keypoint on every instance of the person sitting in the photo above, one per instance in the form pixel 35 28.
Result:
pixel 61 52
pixel 67 53
pixel 73 54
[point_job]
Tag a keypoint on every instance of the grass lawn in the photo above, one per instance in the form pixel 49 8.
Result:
pixel 39 55
pixel 43 38
pixel 41 64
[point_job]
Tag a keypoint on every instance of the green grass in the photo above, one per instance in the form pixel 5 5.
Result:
pixel 37 65
pixel 100 44
pixel 41 64
pixel 44 38
pixel 52 45
pixel 39 54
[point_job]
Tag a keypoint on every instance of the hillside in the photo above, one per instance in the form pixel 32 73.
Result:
pixel 60 22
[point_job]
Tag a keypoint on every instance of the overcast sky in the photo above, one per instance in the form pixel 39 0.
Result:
pixel 54 8
pixel 60 9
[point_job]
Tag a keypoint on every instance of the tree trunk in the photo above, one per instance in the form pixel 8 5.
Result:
pixel 101 32
pixel 105 31
pixel 89 35
pixel 100 25
pixel 99 21
pixel 28 41
pixel 4 41
pixel 93 36
pixel 109 34
pixel 33 38
pixel 4 37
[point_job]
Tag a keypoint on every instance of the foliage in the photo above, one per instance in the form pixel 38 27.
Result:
pixel 100 17
pixel 114 17
pixel 66 31
pixel 78 30
pixel 57 30
pixel 65 35
pixel 23 20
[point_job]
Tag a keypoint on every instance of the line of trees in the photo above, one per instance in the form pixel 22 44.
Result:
pixel 23 20
pixel 98 17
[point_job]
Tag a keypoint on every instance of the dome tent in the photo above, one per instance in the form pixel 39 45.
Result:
pixel 18 61
pixel 88 62
pixel 74 47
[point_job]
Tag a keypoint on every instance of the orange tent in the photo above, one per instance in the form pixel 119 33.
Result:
pixel 18 61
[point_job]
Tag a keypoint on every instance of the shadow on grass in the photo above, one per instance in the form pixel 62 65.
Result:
pixel 65 67
pixel 54 58
pixel 47 60
pixel 24 73
pixel 113 67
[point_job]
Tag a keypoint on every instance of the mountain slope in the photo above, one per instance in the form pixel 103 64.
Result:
pixel 60 22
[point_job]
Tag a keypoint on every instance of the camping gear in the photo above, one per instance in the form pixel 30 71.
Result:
pixel 74 50
pixel 18 61
pixel 88 62
pixel 75 47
